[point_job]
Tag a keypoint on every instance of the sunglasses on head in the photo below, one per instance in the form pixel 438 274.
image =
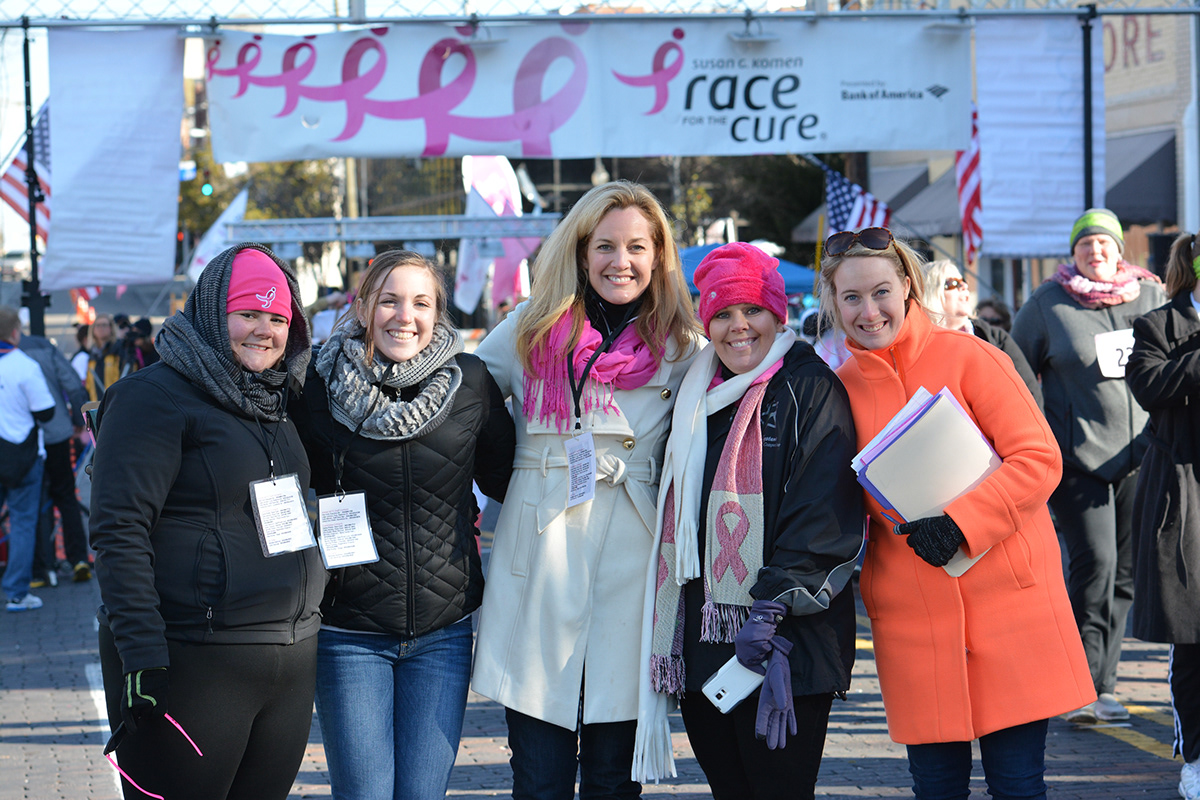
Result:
pixel 956 283
pixel 870 238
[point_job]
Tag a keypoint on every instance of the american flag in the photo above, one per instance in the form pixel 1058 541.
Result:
pixel 849 206
pixel 966 173
pixel 13 187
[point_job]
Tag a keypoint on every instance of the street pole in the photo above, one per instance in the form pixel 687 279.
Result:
pixel 36 304
pixel 1086 24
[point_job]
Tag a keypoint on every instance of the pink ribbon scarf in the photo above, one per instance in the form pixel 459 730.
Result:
pixel 628 364
pixel 1090 294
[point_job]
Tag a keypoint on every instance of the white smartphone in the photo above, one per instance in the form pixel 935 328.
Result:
pixel 730 685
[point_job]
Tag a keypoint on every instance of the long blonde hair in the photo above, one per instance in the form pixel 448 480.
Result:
pixel 907 262
pixel 560 276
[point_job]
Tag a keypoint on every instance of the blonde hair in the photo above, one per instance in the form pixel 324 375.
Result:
pixel 560 276
pixel 371 286
pixel 907 262
pixel 1180 276
pixel 112 331
pixel 935 285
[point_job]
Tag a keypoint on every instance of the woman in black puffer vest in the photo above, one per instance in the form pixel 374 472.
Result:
pixel 394 409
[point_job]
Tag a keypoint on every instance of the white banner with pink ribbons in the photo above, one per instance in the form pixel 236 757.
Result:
pixel 551 89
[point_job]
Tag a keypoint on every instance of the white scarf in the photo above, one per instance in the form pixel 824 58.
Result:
pixel 683 468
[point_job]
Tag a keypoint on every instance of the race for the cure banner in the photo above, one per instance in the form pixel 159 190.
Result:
pixel 550 89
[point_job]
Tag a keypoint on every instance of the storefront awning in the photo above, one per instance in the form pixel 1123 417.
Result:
pixel 1141 177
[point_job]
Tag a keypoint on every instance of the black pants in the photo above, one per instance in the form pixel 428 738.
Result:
pixel 1185 698
pixel 247 706
pixel 1095 519
pixel 739 766
pixel 59 488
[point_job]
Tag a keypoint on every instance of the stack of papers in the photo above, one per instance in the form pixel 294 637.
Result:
pixel 929 455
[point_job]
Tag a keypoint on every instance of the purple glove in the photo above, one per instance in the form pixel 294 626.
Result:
pixel 776 710
pixel 753 642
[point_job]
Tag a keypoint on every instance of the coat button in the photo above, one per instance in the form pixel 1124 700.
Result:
pixel 666 394
pixel 628 443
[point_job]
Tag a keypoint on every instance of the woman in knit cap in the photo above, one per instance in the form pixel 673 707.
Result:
pixel 209 579
pixel 990 653
pixel 761 523
pixel 593 362
pixel 1164 375
pixel 398 420
pixel 1077 332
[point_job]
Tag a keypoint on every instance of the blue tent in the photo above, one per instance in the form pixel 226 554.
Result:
pixel 796 279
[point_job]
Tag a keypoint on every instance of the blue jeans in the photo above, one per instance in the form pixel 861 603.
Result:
pixel 545 759
pixel 391 711
pixel 1014 761
pixel 23 502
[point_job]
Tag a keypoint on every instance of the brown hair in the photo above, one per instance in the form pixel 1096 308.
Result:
pixel 1181 276
pixel 907 262
pixel 560 276
pixel 371 286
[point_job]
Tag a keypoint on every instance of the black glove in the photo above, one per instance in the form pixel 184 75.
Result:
pixel 935 539
pixel 143 697
pixel 753 641
pixel 776 709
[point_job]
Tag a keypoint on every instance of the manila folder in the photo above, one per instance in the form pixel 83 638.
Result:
pixel 941 457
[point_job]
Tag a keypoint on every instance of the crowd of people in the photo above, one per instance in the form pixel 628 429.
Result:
pixel 680 523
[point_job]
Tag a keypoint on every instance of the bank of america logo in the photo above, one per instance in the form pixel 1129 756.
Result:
pixel 937 90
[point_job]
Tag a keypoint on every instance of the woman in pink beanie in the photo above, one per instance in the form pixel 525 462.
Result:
pixel 206 621
pixel 760 526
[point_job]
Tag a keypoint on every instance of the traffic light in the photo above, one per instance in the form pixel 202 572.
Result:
pixel 206 188
pixel 27 296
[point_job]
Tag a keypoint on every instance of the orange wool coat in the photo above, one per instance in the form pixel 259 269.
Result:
pixel 962 657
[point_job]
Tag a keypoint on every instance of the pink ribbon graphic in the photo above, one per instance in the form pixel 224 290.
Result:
pixel 660 74
pixel 728 542
pixel 533 119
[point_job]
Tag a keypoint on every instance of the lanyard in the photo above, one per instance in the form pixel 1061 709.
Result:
pixel 577 391
pixel 339 459
pixel 269 448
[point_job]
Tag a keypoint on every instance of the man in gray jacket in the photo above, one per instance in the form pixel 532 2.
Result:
pixel 67 423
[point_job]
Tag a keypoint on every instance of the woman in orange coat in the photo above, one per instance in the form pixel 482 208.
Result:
pixel 990 655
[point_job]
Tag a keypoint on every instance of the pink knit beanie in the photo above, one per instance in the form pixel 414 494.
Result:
pixel 739 273
pixel 256 283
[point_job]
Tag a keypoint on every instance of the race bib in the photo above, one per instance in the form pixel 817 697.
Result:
pixel 280 515
pixel 581 469
pixel 345 529
pixel 1112 352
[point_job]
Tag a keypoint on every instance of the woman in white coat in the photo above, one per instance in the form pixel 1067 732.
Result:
pixel 592 362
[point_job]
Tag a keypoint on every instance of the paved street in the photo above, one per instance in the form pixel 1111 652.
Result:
pixel 52 729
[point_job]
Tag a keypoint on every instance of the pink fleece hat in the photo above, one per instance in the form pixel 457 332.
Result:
pixel 256 283
pixel 739 273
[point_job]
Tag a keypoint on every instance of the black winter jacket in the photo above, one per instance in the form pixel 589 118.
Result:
pixel 177 553
pixel 999 338
pixel 813 521
pixel 1164 375
pixel 420 504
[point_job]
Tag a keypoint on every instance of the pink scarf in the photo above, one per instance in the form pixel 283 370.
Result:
pixel 628 364
pixel 1123 288
pixel 733 548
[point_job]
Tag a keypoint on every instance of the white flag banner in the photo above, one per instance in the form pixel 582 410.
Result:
pixel 215 239
pixel 118 101
pixel 1031 132
pixel 550 89
pixel 473 262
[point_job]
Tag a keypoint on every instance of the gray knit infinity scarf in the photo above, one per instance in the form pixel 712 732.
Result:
pixel 195 342
pixel 354 385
